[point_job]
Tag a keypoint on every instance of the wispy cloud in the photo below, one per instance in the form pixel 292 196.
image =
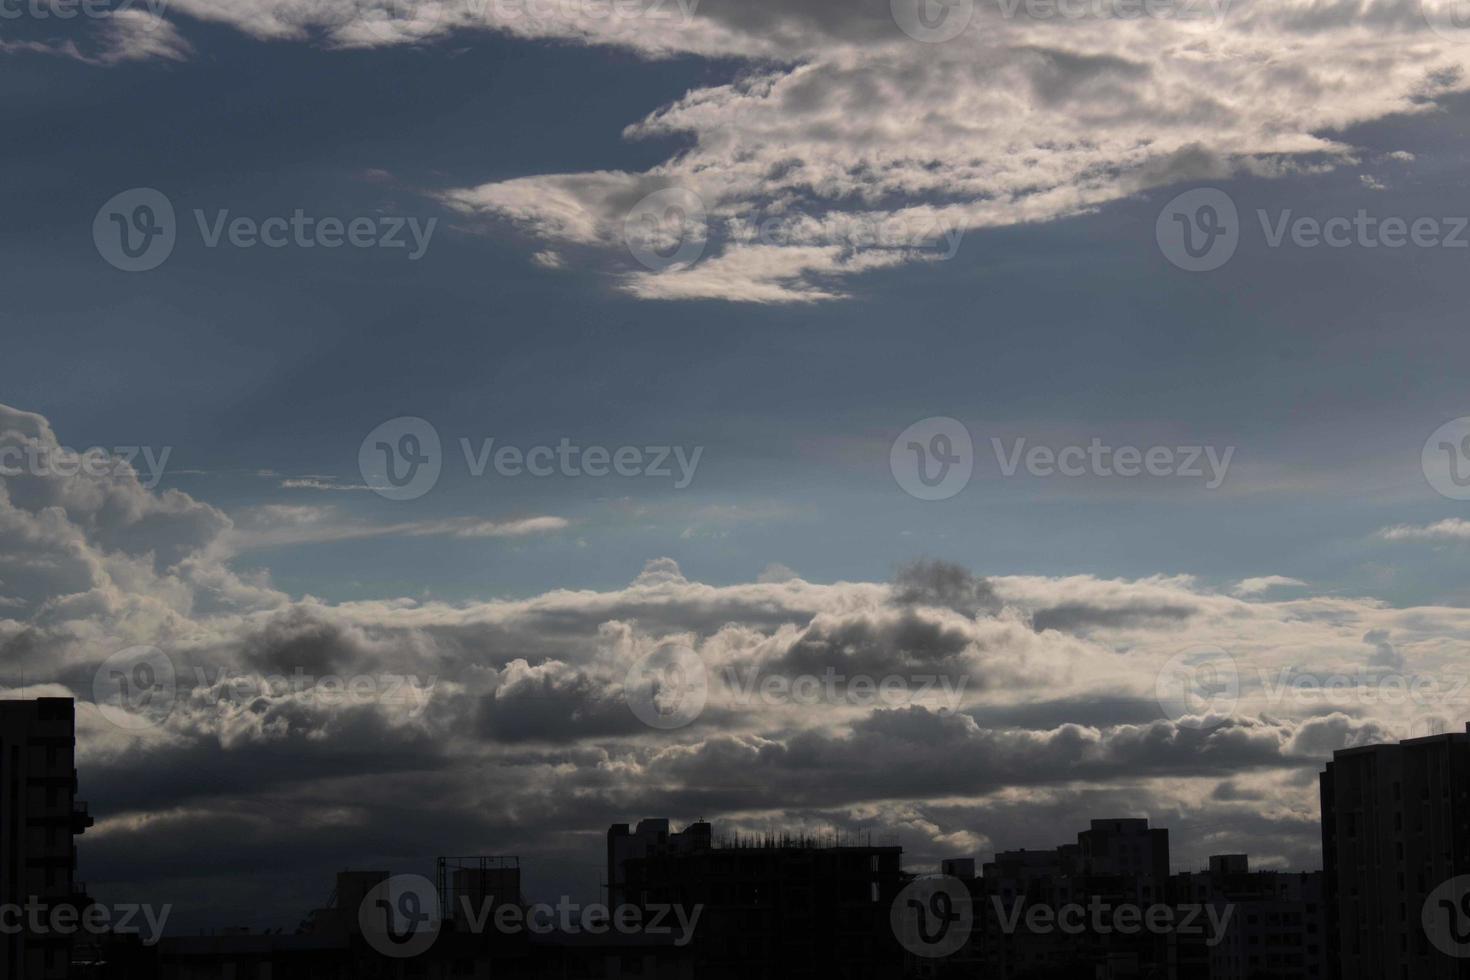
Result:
pixel 1450 529
pixel 1264 583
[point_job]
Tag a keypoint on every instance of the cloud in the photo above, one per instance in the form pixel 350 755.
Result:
pixel 1265 583
pixel 506 720
pixel 1449 529
pixel 122 36
pixel 278 525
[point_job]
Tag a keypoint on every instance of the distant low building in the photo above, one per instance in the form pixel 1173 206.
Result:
pixel 772 907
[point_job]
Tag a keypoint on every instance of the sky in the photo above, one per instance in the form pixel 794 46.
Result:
pixel 871 302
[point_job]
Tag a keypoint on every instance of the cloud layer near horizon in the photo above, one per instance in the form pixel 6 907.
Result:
pixel 503 726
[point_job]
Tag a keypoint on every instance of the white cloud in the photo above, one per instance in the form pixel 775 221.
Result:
pixel 1450 529
pixel 1264 583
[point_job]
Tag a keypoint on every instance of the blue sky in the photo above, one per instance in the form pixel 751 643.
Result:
pixel 793 367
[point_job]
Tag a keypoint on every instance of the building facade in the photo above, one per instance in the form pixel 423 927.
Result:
pixel 1395 827
pixel 40 819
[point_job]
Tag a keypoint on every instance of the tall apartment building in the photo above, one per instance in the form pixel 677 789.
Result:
pixel 40 818
pixel 1116 862
pixel 772 907
pixel 1395 826
pixel 1277 924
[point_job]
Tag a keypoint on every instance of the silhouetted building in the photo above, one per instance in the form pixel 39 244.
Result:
pixel 1275 923
pixel 469 945
pixel 651 838
pixel 1116 864
pixel 1395 825
pixel 473 888
pixel 771 907
pixel 40 818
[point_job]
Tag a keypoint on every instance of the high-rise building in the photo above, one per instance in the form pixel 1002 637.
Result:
pixel 40 817
pixel 1395 826
pixel 1275 922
